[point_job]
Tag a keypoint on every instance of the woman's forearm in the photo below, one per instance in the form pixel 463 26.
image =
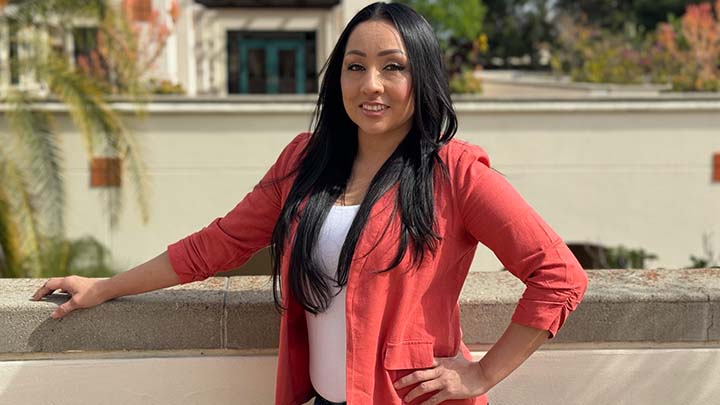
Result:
pixel 152 275
pixel 510 351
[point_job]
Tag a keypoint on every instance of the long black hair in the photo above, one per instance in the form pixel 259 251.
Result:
pixel 327 161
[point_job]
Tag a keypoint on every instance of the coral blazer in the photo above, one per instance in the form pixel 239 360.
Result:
pixel 397 321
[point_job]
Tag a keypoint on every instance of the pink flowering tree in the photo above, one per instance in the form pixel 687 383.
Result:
pixel 689 49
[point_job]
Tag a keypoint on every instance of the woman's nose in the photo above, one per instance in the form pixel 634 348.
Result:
pixel 372 83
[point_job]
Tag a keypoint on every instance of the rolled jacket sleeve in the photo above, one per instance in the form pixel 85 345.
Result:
pixel 497 216
pixel 228 242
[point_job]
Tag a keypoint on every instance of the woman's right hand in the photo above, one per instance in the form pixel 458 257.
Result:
pixel 84 293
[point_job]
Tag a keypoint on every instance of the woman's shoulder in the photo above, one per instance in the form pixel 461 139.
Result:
pixel 300 141
pixel 294 149
pixel 461 153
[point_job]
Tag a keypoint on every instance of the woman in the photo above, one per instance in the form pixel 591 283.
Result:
pixel 374 218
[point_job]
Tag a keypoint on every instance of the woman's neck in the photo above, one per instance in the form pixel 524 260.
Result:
pixel 375 149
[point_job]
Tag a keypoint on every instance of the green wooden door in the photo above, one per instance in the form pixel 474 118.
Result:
pixel 272 66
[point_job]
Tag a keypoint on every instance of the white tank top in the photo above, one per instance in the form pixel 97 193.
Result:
pixel 326 330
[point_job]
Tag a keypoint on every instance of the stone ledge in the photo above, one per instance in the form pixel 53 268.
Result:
pixel 662 306
pixel 303 105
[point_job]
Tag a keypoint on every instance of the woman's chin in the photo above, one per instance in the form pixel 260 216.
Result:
pixel 372 131
pixel 378 131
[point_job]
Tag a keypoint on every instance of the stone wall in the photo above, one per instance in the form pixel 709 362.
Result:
pixel 612 171
pixel 638 337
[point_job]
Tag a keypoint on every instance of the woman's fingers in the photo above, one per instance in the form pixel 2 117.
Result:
pixel 57 283
pixel 64 309
pixel 418 376
pixel 450 378
pixel 47 288
pixel 423 388
pixel 437 398
pixel 80 289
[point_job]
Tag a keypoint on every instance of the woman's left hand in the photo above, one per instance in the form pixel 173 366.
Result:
pixel 452 378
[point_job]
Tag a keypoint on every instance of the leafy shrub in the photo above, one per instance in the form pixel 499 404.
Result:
pixel 620 257
pixel 466 82
pixel 687 51
pixel 165 87
pixel 709 258
pixel 60 257
pixel 684 52
pixel 594 256
pixel 591 54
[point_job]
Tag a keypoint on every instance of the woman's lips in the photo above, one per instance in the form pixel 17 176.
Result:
pixel 374 109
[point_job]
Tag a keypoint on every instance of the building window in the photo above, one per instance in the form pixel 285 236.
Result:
pixel 84 41
pixel 85 49
pixel 13 46
pixel 271 62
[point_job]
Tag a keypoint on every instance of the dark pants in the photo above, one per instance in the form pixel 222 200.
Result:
pixel 322 401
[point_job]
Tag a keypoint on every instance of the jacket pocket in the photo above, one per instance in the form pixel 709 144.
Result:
pixel 403 358
pixel 408 355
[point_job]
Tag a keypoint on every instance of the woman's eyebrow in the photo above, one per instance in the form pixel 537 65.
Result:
pixel 381 53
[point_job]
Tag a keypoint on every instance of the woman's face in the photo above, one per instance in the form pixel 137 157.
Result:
pixel 375 81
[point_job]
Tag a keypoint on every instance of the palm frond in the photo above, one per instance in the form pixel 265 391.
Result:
pixel 85 257
pixel 27 12
pixel 35 149
pixel 23 220
pixel 84 100
pixel 135 168
pixel 119 42
pixel 8 245
pixel 101 126
pixel 118 31
pixel 32 239
pixel 90 258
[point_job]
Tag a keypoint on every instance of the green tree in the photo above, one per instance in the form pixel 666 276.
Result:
pixel 518 29
pixel 458 25
pixel 32 192
pixel 683 53
pixel 623 14
pixel 650 13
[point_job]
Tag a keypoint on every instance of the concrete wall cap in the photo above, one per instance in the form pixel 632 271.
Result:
pixel 305 104
pixel 238 313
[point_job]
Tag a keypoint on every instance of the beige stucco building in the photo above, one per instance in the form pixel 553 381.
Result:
pixel 599 168
pixel 602 166
pixel 225 47
pixel 218 47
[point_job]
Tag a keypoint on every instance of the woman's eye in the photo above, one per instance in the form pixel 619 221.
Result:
pixel 395 67
pixel 354 67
